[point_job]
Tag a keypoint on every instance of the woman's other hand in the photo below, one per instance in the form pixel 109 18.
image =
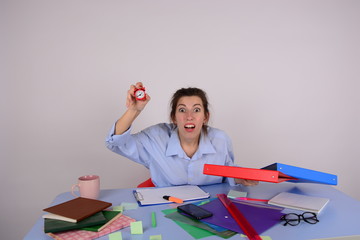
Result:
pixel 246 182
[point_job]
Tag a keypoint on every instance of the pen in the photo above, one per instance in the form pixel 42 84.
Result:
pixel 173 199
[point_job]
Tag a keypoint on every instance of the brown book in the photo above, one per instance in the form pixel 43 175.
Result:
pixel 78 208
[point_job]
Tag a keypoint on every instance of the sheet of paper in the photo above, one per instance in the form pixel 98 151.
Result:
pixel 221 232
pixel 195 232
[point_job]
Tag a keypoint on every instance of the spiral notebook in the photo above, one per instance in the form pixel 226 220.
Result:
pixel 150 196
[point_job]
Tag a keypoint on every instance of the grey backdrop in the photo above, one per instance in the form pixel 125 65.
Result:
pixel 282 78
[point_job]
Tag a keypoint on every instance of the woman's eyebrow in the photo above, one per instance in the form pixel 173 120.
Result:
pixel 183 105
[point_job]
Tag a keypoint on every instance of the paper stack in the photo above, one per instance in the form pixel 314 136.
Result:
pixel 299 202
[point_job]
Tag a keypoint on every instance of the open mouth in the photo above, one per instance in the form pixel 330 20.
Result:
pixel 189 126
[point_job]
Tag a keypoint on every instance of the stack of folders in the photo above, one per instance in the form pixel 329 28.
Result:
pixel 275 173
pixel 261 216
pixel 83 217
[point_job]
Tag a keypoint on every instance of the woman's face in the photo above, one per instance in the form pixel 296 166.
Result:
pixel 190 117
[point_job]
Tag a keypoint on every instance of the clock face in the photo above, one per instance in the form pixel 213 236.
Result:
pixel 140 94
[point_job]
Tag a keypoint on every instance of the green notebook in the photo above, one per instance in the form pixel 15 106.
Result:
pixel 109 215
pixel 53 225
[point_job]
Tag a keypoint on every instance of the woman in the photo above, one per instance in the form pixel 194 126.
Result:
pixel 176 152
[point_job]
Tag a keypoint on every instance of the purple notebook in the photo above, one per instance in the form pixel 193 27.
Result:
pixel 261 217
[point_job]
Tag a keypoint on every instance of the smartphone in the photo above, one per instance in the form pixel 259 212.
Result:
pixel 194 211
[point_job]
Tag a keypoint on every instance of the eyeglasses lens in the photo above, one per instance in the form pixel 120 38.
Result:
pixel 292 219
pixel 310 217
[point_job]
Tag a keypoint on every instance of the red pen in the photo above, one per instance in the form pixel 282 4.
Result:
pixel 173 199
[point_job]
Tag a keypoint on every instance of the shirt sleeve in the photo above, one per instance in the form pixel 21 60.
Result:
pixel 128 145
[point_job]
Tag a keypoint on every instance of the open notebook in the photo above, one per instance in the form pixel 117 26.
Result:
pixel 150 196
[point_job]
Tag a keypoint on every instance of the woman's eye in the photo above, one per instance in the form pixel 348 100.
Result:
pixel 181 109
pixel 197 110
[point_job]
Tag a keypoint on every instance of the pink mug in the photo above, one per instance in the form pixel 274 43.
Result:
pixel 89 186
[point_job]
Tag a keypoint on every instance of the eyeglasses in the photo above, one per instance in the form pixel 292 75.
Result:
pixel 294 219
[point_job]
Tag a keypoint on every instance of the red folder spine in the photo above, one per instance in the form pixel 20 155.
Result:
pixel 240 219
pixel 243 173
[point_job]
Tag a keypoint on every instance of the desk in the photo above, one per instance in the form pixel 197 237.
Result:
pixel 339 218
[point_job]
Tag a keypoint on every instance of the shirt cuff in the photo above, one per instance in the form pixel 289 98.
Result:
pixel 112 138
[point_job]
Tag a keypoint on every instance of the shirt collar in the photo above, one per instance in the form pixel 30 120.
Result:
pixel 174 147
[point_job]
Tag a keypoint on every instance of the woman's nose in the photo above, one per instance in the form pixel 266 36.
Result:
pixel 189 115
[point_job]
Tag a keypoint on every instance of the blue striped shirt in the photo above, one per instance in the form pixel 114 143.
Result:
pixel 158 149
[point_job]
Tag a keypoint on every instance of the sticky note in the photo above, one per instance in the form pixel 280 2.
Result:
pixel 265 237
pixel 156 237
pixel 129 206
pixel 262 237
pixel 119 208
pixel 236 194
pixel 115 236
pixel 136 227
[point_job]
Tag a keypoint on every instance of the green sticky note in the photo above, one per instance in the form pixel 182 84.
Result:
pixel 119 208
pixel 129 206
pixel 265 237
pixel 136 227
pixel 236 194
pixel 262 237
pixel 156 237
pixel 115 236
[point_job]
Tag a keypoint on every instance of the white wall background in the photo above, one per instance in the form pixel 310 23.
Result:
pixel 282 78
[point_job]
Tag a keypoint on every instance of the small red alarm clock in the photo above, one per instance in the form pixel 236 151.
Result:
pixel 140 94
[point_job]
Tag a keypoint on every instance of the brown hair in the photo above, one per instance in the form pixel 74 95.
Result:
pixel 189 92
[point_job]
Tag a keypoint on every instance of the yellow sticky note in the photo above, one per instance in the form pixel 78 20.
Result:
pixel 115 236
pixel 119 208
pixel 156 237
pixel 265 238
pixel 262 237
pixel 136 227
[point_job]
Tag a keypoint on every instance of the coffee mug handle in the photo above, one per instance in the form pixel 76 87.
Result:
pixel 73 188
